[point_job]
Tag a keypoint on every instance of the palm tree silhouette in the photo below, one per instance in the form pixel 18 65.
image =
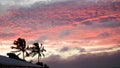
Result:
pixel 20 46
pixel 37 50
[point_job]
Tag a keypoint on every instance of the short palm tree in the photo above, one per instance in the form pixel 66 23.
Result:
pixel 36 49
pixel 20 46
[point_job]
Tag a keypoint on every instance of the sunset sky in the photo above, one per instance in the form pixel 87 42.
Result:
pixel 70 30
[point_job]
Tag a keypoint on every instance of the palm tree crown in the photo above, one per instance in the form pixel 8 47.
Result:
pixel 36 49
pixel 20 46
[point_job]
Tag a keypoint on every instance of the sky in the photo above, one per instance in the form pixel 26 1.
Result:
pixel 75 33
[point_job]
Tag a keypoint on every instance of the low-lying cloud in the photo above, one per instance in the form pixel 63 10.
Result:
pixel 102 60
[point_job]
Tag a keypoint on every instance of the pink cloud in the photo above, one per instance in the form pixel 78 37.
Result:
pixel 59 22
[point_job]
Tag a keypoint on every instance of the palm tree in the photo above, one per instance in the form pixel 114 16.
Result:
pixel 20 46
pixel 37 50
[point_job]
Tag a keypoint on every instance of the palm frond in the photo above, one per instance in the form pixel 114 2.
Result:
pixel 43 54
pixel 27 54
pixel 19 54
pixel 15 51
pixel 34 54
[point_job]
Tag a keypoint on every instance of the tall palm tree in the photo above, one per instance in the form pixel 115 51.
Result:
pixel 36 49
pixel 20 46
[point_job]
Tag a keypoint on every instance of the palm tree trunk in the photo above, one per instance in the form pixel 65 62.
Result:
pixel 23 56
pixel 38 57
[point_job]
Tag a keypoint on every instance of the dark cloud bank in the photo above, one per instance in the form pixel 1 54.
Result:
pixel 102 60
